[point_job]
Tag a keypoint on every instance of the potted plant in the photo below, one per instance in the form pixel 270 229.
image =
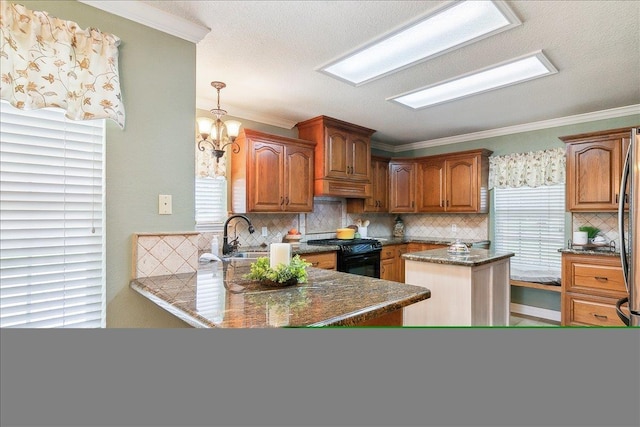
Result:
pixel 283 275
pixel 592 232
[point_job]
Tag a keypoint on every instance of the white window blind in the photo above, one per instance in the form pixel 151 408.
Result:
pixel 530 223
pixel 51 220
pixel 211 201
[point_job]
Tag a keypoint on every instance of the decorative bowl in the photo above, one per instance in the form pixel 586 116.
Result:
pixel 345 233
pixel 293 237
pixel 458 248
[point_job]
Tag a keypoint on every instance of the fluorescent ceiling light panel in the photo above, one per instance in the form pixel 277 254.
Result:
pixel 505 74
pixel 448 28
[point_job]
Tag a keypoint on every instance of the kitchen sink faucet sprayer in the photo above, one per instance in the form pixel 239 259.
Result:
pixel 230 247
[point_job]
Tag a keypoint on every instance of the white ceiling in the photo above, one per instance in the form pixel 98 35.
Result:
pixel 267 52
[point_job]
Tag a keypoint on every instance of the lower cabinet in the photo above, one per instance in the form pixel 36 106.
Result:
pixel 591 286
pixel 325 260
pixel 391 262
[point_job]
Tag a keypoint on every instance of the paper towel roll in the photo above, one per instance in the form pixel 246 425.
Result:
pixel 580 238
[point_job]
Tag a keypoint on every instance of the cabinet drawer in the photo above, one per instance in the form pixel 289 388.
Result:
pixel 388 252
pixel 326 260
pixel 598 277
pixel 591 311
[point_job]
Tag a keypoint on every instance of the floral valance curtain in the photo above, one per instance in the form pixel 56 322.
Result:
pixel 49 62
pixel 207 166
pixel 532 169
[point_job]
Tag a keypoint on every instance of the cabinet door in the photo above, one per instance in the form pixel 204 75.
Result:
pixel 431 197
pixel 359 158
pixel 593 175
pixel 265 187
pixel 461 185
pixel 379 202
pixel 336 158
pixel 298 182
pixel 402 187
pixel 388 269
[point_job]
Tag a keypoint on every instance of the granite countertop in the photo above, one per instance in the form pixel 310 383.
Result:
pixel 217 296
pixel 442 256
pixel 604 251
pixel 392 240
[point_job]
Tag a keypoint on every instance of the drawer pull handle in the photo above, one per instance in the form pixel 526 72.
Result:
pixel 602 279
pixel 314 264
pixel 600 316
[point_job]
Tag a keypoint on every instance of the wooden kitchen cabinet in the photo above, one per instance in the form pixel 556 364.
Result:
pixel 379 200
pixel 456 182
pixel 325 260
pixel 342 157
pixel 392 263
pixel 272 173
pixel 402 186
pixel 594 169
pixel 591 286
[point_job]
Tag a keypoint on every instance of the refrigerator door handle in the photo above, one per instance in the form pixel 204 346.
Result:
pixel 623 251
pixel 626 320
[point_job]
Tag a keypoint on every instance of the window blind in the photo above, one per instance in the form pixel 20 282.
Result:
pixel 51 220
pixel 530 223
pixel 211 201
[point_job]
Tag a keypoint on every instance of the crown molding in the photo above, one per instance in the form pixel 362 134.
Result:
pixel 145 14
pixel 527 127
pixel 204 103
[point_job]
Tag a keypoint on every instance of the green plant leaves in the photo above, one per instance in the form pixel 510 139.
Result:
pixel 261 270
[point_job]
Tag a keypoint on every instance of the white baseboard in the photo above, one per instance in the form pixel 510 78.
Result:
pixel 530 310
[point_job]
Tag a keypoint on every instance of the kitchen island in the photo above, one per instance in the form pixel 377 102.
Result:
pixel 466 290
pixel 217 296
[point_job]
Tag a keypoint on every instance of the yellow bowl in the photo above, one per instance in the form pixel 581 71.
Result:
pixel 345 233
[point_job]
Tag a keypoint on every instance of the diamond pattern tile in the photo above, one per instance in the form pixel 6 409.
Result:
pixel 162 254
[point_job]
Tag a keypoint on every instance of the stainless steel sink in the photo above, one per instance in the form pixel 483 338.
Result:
pixel 247 255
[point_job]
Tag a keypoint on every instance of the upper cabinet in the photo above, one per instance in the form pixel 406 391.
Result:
pixel 402 186
pixel 271 173
pixel 456 182
pixel 379 200
pixel 342 157
pixel 594 169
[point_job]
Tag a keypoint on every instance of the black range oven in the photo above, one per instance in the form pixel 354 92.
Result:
pixel 355 256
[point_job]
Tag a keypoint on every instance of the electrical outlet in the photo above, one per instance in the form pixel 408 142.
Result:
pixel 454 228
pixel 265 232
pixel 164 204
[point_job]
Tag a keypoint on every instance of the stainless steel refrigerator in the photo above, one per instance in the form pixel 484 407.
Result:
pixel 629 239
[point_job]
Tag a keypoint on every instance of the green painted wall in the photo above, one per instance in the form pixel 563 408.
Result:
pixel 153 155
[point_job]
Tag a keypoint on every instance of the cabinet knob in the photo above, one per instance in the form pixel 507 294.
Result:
pixel 287 200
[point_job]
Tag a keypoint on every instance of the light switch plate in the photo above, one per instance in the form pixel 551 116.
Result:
pixel 164 204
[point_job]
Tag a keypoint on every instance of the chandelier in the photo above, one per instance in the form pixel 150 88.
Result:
pixel 211 131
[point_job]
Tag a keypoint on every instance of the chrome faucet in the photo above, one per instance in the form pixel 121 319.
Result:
pixel 230 247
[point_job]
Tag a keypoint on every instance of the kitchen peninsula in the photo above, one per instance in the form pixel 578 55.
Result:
pixel 469 289
pixel 217 296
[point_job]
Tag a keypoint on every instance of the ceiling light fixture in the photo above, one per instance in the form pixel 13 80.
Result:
pixel 497 76
pixel 218 141
pixel 455 25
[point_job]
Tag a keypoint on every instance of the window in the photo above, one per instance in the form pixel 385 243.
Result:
pixel 530 223
pixel 51 220
pixel 211 201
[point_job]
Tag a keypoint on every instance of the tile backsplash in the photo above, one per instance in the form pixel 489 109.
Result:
pixel 330 213
pixel 159 254
pixel 607 222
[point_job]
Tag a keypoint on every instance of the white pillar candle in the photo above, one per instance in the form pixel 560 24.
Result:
pixel 280 253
